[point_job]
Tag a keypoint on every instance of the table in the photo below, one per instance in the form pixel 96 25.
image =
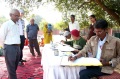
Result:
pixel 52 68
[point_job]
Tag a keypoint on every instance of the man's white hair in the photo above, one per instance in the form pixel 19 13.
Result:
pixel 13 11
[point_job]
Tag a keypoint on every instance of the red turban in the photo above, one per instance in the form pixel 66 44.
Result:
pixel 75 33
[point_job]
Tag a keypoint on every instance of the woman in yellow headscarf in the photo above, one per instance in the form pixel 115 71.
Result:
pixel 47 34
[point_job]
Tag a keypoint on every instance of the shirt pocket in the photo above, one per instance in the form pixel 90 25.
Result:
pixel 109 52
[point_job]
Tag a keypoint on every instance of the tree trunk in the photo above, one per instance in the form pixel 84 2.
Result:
pixel 110 31
pixel 109 11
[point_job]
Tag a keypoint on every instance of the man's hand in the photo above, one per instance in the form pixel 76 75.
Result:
pixel 70 58
pixel 104 63
pixel 76 51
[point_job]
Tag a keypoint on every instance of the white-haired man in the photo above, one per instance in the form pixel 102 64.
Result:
pixel 10 37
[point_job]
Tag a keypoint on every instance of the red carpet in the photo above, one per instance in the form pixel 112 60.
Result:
pixel 30 70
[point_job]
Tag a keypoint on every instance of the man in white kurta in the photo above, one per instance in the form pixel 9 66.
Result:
pixel 73 24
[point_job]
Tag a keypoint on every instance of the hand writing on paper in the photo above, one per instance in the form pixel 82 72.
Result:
pixel 70 58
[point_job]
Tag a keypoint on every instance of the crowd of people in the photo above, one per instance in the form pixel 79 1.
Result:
pixel 12 39
pixel 99 44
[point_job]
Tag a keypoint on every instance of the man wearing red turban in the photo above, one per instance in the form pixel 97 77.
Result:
pixel 78 42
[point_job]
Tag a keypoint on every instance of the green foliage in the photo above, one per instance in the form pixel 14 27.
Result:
pixel 42 24
pixel 113 5
pixel 26 5
pixel 61 25
pixel 80 8
pixel 38 19
pixel 30 17
pixel 2 20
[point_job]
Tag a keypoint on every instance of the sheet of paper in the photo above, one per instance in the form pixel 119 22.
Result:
pixel 65 62
pixel 81 62
pixel 65 48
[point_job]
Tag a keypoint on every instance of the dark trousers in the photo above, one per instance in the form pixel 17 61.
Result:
pixel 22 38
pixel 90 72
pixel 12 55
pixel 34 43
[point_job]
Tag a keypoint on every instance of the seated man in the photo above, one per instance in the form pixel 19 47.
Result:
pixel 78 42
pixel 67 35
pixel 105 48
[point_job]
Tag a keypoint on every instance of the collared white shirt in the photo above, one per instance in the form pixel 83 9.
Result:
pixel 9 33
pixel 21 25
pixel 100 45
pixel 74 25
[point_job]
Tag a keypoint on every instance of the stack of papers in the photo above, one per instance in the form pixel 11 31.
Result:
pixel 62 47
pixel 80 62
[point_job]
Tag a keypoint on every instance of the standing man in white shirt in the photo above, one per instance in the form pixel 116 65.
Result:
pixel 73 24
pixel 10 37
pixel 21 24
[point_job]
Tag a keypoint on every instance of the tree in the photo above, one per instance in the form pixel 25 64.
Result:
pixel 42 23
pixel 106 9
pixel 26 5
pixel 38 19
pixel 61 25
pixel 112 9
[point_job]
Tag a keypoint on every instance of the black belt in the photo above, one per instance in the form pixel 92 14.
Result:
pixel 21 35
pixel 14 44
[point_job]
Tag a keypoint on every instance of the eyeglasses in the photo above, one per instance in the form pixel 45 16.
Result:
pixel 16 15
pixel 98 32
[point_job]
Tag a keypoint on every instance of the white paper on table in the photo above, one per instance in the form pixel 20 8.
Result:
pixel 65 62
pixel 83 61
pixel 65 48
pixel 55 61
pixel 62 47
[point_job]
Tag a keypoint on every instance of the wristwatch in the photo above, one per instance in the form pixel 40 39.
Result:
pixel 75 57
